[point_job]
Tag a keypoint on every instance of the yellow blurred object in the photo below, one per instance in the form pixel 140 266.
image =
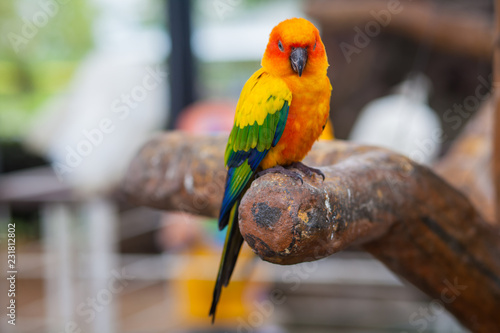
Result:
pixel 193 292
pixel 327 132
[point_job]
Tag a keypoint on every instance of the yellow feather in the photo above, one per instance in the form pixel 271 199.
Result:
pixel 258 101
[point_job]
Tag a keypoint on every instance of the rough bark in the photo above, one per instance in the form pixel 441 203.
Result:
pixel 411 219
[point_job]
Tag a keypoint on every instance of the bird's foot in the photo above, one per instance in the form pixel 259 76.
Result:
pixel 282 170
pixel 307 170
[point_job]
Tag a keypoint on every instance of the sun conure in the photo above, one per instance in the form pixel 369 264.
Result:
pixel 281 112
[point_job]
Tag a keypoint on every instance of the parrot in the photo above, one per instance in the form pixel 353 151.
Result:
pixel 282 110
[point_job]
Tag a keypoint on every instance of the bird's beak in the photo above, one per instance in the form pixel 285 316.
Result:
pixel 298 59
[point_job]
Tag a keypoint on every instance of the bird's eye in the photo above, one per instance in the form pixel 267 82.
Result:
pixel 280 46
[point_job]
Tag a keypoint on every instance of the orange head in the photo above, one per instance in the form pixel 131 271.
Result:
pixel 295 48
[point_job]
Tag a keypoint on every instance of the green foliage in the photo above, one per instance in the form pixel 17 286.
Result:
pixel 58 32
pixel 40 46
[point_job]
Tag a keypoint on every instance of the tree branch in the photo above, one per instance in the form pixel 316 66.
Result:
pixel 401 212
pixel 407 217
pixel 178 172
pixel 468 164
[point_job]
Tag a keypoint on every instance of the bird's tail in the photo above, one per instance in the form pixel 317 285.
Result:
pixel 232 247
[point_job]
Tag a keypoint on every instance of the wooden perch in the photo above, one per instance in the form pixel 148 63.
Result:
pixel 178 172
pixel 468 164
pixel 412 220
pixel 407 217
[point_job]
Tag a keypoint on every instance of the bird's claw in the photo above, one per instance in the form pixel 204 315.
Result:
pixel 282 170
pixel 307 170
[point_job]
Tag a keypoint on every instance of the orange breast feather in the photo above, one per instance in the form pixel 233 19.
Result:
pixel 307 115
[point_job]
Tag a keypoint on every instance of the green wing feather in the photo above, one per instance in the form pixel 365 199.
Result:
pixel 260 120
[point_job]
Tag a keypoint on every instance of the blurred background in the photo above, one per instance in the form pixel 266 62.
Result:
pixel 83 84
